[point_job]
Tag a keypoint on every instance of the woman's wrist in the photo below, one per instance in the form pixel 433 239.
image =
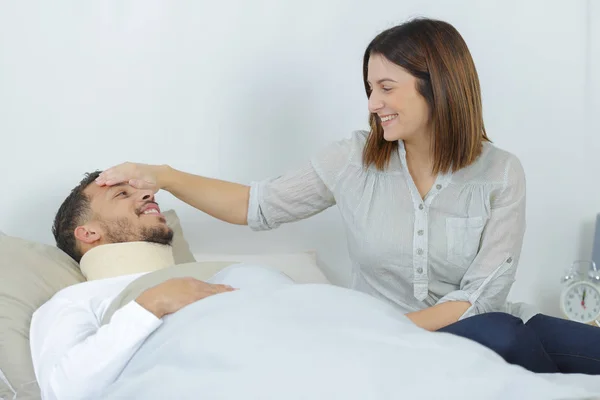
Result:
pixel 164 176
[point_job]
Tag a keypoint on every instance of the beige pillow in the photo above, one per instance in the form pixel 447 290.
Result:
pixel 302 267
pixel 30 274
pixel 181 248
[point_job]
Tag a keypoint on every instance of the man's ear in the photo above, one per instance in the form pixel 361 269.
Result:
pixel 88 234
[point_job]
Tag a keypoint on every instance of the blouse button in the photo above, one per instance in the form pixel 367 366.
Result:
pixel 438 187
pixel 419 251
pixel 420 206
pixel 420 232
pixel 419 270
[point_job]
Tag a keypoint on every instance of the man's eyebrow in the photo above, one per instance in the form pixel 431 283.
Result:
pixel 111 190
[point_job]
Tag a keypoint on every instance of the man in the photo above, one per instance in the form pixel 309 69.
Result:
pixel 255 342
pixel 71 351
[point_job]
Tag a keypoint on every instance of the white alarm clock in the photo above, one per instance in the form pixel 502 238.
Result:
pixel 580 298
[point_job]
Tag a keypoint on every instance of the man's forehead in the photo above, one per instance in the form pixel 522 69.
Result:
pixel 94 191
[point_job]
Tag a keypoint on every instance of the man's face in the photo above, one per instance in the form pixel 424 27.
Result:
pixel 121 214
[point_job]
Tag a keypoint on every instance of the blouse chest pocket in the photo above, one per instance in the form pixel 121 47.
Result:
pixel 464 236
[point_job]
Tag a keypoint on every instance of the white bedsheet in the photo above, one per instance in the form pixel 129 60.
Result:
pixel 588 382
pixel 321 342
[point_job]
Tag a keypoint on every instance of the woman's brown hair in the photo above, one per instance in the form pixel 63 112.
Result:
pixel 436 54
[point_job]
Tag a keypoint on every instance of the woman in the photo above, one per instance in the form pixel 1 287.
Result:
pixel 434 213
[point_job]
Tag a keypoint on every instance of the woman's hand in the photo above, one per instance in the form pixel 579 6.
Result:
pixel 140 176
pixel 439 316
pixel 224 200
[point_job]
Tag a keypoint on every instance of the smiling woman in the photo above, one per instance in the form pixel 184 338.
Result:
pixel 422 85
pixel 434 213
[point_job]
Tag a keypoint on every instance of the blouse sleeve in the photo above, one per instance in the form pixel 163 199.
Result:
pixel 489 278
pixel 298 194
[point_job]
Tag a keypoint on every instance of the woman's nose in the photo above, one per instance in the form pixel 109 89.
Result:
pixel 375 104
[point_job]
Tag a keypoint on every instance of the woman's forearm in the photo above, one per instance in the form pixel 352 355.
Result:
pixel 224 200
pixel 440 315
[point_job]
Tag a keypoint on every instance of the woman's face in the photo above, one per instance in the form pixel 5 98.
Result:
pixel 402 111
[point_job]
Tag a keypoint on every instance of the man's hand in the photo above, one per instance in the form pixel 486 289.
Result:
pixel 174 294
pixel 140 176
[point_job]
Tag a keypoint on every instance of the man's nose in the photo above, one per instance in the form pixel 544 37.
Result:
pixel 147 195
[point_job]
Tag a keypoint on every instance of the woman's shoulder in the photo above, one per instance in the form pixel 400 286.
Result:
pixel 348 148
pixel 498 154
pixel 508 160
pixel 356 140
pixel 359 137
pixel 496 164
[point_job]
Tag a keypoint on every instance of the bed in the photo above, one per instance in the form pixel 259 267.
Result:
pixel 33 272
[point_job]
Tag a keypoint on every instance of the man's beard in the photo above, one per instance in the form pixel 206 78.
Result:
pixel 121 231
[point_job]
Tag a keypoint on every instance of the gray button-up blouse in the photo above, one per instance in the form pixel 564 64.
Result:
pixel 461 242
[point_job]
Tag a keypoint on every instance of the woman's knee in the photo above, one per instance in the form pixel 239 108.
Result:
pixel 501 322
pixel 501 330
pixel 497 331
pixel 509 337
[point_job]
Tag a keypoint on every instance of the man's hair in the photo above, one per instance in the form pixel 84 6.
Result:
pixel 72 213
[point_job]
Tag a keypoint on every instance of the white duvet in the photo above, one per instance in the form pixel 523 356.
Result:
pixel 321 342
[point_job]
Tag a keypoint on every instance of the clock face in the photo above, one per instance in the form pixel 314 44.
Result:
pixel 581 302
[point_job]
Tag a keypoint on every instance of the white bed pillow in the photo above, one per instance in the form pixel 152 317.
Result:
pixel 302 267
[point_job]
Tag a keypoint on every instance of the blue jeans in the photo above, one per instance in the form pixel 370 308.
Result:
pixel 544 344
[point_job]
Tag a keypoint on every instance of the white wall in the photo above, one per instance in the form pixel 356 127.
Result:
pixel 592 142
pixel 247 90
